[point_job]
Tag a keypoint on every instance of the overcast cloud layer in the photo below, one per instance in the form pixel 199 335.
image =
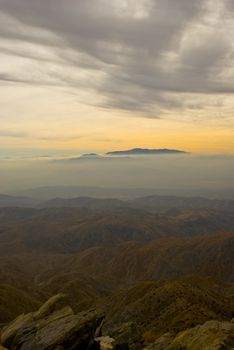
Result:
pixel 135 55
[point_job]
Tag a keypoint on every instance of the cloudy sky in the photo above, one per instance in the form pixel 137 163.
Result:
pixel 99 75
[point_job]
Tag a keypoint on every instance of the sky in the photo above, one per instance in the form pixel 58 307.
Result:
pixel 100 75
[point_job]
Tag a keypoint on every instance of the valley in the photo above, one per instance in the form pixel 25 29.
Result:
pixel 151 268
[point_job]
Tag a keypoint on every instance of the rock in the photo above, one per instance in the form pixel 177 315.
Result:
pixel 49 328
pixel 21 321
pixel 126 335
pixel 50 306
pixel 212 335
pixel 106 343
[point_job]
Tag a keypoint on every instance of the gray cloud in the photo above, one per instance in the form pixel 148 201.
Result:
pixel 59 138
pixel 139 57
pixel 12 134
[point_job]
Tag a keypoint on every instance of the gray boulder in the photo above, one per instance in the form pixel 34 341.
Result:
pixel 212 335
pixel 51 328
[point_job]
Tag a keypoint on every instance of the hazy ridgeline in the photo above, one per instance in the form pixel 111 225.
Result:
pixel 188 174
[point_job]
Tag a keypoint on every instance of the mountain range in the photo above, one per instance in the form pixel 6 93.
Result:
pixel 145 151
pixel 50 192
pixel 160 269
pixel 152 203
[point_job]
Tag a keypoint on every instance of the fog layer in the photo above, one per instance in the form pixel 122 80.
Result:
pixel 180 175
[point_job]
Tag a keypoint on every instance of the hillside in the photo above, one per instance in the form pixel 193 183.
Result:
pixel 44 193
pixel 84 202
pixel 160 259
pixel 70 230
pixel 211 335
pixel 17 201
pixel 134 317
pixel 100 271
pixel 153 273
pixel 153 203
pixel 15 301
pixel 144 312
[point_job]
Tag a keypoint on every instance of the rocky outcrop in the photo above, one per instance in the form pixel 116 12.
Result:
pixel 212 335
pixel 53 327
pixel 106 343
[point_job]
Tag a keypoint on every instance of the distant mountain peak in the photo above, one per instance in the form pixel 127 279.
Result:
pixel 146 151
pixel 90 155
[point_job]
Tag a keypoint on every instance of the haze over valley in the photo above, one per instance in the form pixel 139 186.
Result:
pixel 187 175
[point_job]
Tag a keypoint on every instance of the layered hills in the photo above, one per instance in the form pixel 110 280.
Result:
pixel 69 230
pixel 160 259
pixel 70 191
pixel 159 269
pixel 17 201
pixel 150 203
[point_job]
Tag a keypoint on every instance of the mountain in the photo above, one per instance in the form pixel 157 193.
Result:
pixel 90 155
pixel 84 202
pixel 50 192
pixel 14 301
pixel 175 202
pixel 91 158
pixel 86 156
pixel 70 230
pixel 164 258
pixel 160 269
pixel 17 201
pixel 149 203
pixel 145 151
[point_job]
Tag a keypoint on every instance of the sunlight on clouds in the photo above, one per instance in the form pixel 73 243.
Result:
pixel 145 73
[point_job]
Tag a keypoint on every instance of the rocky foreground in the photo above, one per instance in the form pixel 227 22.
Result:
pixel 212 335
pixel 55 327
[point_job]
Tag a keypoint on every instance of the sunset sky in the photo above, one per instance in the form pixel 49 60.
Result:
pixel 98 75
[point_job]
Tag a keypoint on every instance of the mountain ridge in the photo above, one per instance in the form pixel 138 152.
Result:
pixel 150 202
pixel 146 151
